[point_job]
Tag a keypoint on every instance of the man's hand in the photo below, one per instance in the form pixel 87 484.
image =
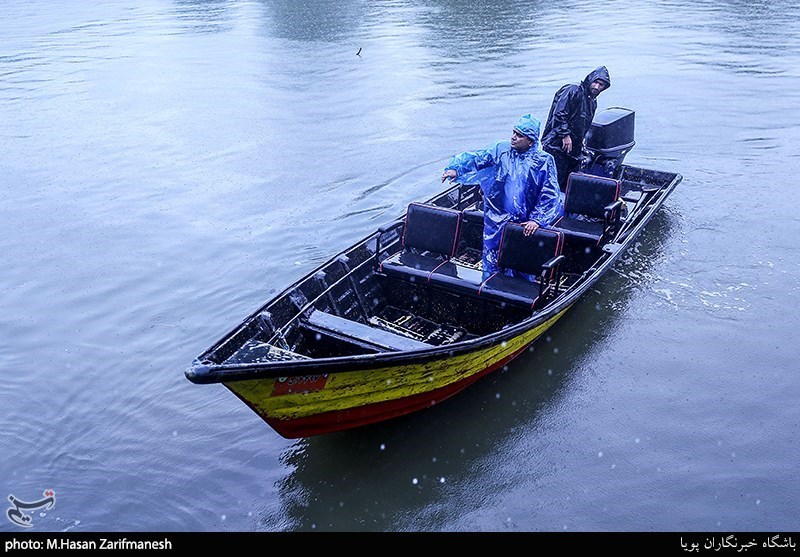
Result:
pixel 449 174
pixel 529 227
pixel 566 144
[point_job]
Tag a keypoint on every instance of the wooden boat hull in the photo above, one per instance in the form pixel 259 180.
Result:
pixel 313 359
pixel 309 405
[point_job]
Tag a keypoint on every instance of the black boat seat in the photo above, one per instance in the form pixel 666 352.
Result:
pixel 538 254
pixel 430 238
pixel 511 290
pixel 457 278
pixel 592 207
pixel 321 321
pixel 474 215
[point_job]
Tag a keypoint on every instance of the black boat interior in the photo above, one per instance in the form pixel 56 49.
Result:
pixel 418 283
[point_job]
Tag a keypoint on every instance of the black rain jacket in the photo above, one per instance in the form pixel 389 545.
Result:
pixel 572 113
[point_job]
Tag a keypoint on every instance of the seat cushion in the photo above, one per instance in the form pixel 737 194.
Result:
pixel 411 266
pixel 457 278
pixel 592 231
pixel 512 290
pixel 473 215
pixel 430 228
pixel 527 254
pixel 589 195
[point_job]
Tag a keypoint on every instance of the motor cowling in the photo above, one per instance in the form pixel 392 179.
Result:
pixel 609 139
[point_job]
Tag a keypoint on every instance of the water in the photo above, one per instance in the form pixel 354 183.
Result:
pixel 168 166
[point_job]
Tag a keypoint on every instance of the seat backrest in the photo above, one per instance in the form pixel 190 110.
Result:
pixel 589 195
pixel 527 254
pixel 431 228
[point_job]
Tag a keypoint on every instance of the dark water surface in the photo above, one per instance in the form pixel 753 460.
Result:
pixel 167 166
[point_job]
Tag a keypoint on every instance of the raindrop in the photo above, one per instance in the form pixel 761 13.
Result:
pixel 555 350
pixel 636 440
pixel 549 372
pixel 600 454
pixel 497 395
pixel 224 517
pixel 175 433
pixel 433 459
pixel 441 481
pixel 341 504
pixel 613 466
pixel 758 501
pixel 383 447
pixel 414 481
pixel 318 336
pixel 503 344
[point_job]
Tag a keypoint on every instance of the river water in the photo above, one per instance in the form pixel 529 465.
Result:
pixel 167 166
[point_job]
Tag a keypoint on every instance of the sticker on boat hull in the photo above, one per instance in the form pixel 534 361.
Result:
pixel 302 384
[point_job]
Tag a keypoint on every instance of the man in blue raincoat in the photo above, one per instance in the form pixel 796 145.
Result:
pixel 519 184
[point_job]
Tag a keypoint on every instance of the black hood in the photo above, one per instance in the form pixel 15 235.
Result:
pixel 599 73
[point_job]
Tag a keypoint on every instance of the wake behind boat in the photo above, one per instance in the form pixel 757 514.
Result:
pixel 404 319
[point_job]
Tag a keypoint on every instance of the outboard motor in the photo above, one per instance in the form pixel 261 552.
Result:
pixel 608 140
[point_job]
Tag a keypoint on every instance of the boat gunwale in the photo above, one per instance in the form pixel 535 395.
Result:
pixel 202 372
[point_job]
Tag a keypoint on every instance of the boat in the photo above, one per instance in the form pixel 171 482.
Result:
pixel 404 318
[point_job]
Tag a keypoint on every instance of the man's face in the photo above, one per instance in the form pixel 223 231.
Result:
pixel 597 86
pixel 520 142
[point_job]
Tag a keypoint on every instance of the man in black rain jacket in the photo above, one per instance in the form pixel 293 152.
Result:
pixel 570 117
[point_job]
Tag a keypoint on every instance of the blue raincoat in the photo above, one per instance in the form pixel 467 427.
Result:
pixel 516 186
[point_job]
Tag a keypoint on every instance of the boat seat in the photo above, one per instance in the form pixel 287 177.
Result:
pixel 457 278
pixel 321 321
pixel 538 255
pixel 430 238
pixel 473 215
pixel 592 207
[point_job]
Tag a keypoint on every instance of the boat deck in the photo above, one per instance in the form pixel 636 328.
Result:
pixel 352 306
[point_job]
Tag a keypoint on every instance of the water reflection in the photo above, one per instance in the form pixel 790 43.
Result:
pixel 380 477
pixel 406 473
pixel 482 29
pixel 316 20
pixel 744 35
pixel 204 16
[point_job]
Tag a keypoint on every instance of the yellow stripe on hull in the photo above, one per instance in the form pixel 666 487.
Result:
pixel 351 389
